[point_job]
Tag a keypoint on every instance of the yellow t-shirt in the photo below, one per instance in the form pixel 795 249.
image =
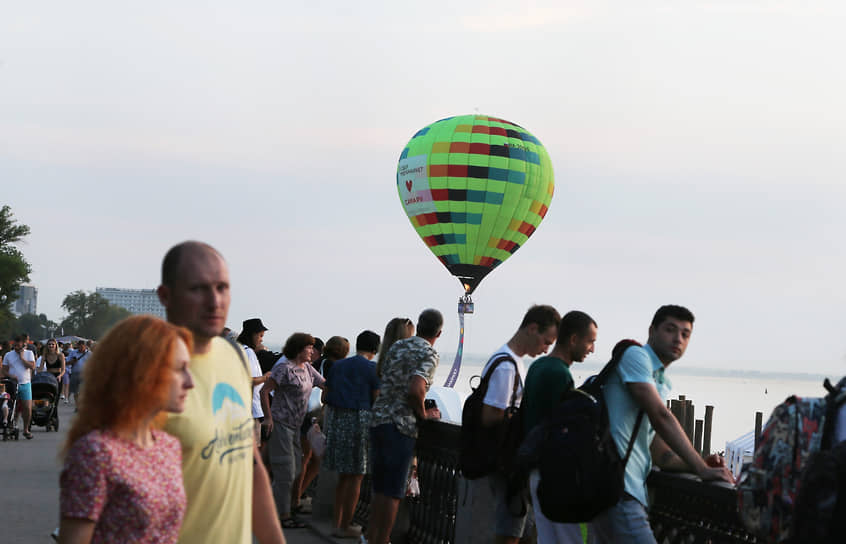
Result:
pixel 216 433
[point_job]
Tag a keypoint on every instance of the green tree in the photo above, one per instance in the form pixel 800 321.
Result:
pixel 14 270
pixel 8 326
pixel 89 314
pixel 36 326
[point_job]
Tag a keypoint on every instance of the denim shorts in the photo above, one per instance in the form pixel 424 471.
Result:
pixel 391 453
pixel 626 521
pixel 25 391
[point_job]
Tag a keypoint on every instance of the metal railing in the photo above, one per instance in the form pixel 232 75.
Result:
pixel 683 508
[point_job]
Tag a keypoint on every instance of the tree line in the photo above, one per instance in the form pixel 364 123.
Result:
pixel 88 314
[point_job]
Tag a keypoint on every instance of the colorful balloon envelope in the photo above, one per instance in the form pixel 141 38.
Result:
pixel 475 188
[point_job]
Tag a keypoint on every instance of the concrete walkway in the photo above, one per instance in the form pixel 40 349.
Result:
pixel 29 490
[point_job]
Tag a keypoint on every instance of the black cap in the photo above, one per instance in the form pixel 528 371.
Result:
pixel 252 326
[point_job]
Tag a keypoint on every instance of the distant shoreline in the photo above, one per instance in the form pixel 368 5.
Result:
pixel 592 367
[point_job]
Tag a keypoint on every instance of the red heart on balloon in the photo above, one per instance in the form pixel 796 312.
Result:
pixel 408 185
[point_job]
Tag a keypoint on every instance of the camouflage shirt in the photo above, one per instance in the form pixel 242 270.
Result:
pixel 406 358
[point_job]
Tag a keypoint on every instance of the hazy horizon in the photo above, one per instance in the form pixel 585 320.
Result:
pixel 698 150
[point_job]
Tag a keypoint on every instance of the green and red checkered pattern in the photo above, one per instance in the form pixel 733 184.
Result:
pixel 491 183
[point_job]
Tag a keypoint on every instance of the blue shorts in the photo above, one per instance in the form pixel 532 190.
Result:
pixel 25 391
pixel 391 452
pixel 626 521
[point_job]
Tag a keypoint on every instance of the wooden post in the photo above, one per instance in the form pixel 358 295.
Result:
pixel 675 409
pixel 689 419
pixel 706 439
pixel 758 419
pixel 697 437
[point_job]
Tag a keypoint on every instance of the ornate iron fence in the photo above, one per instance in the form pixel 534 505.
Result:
pixel 683 509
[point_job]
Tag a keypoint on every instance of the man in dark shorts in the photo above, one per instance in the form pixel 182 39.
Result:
pixel 406 376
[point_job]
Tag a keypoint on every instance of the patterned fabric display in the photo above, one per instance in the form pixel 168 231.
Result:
pixel 770 483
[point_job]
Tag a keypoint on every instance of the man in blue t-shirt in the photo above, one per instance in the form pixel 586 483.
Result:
pixel 638 383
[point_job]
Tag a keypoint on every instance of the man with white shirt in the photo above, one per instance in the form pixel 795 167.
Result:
pixel 537 332
pixel 19 364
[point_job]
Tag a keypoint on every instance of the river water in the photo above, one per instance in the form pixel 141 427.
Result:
pixel 735 396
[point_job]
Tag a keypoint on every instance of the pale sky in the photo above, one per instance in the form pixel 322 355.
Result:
pixel 698 150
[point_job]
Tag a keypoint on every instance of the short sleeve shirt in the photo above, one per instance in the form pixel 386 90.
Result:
pixel 80 362
pixel 293 388
pixel 132 494
pixel 255 372
pixel 547 380
pixel 216 434
pixel 14 362
pixel 351 383
pixel 501 386
pixel 408 357
pixel 638 365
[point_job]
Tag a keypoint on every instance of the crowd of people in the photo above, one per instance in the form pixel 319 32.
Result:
pixel 22 359
pixel 187 432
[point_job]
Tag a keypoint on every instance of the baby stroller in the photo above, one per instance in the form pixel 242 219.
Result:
pixel 8 425
pixel 45 394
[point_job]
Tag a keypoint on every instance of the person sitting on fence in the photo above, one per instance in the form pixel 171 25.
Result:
pixel 351 389
pixel 638 384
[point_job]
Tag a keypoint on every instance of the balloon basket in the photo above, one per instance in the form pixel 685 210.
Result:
pixel 465 305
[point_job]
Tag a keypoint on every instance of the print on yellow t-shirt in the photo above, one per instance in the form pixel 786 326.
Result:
pixel 216 433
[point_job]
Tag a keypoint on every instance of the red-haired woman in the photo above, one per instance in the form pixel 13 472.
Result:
pixel 122 479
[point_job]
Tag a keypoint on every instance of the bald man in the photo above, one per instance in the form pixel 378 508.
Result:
pixel 227 487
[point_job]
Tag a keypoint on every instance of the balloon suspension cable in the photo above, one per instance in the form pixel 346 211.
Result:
pixel 465 306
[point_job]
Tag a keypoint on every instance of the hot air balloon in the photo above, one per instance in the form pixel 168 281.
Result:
pixel 475 188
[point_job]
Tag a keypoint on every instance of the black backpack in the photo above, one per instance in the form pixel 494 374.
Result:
pixel 486 450
pixel 581 472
